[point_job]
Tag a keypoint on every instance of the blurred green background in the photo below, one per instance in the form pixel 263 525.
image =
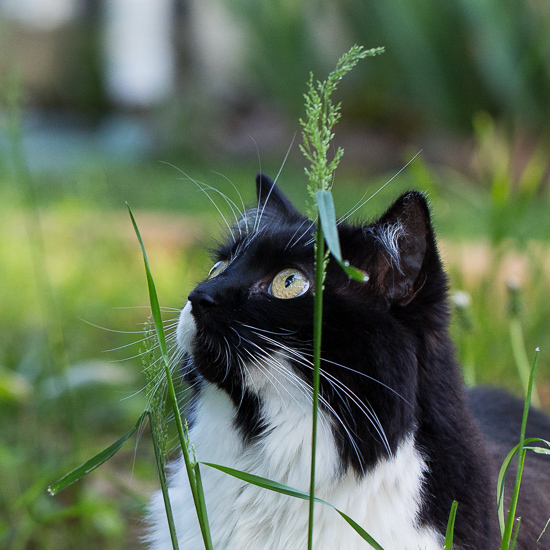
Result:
pixel 107 102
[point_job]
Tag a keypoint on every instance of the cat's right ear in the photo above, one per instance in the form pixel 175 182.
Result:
pixel 271 198
pixel 405 248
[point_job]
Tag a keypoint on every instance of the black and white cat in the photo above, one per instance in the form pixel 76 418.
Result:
pixel 397 441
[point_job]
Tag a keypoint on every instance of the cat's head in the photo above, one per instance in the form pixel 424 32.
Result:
pixel 249 325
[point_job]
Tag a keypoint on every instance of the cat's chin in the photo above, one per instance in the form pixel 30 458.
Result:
pixel 186 329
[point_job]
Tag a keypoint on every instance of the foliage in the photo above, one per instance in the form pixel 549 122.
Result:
pixel 444 61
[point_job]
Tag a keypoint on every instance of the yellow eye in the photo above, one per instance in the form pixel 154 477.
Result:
pixel 289 283
pixel 217 268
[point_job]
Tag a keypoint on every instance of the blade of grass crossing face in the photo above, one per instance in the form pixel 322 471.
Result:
pixel 283 489
pixel 449 534
pixel 327 214
pixel 327 217
pixel 94 462
pixel 198 494
pixel 317 332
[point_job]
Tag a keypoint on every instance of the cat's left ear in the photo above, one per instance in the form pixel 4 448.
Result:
pixel 271 198
pixel 405 244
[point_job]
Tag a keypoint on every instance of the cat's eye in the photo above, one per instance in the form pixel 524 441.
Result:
pixel 217 268
pixel 289 283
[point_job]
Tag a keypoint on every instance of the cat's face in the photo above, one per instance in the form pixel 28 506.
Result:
pixel 250 323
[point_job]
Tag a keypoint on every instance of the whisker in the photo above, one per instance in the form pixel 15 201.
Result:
pixel 362 202
pixel 200 186
pixel 261 213
pixel 270 340
pixel 367 410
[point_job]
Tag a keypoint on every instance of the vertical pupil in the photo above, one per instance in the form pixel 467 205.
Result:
pixel 289 281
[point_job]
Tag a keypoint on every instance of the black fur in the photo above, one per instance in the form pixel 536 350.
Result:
pixel 386 340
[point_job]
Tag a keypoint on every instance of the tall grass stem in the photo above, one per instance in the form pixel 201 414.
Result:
pixel 317 333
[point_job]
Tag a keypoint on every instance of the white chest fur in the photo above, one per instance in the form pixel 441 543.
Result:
pixel 385 502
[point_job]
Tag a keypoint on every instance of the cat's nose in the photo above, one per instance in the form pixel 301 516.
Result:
pixel 202 300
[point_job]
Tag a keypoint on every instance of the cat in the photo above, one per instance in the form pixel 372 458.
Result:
pixel 397 439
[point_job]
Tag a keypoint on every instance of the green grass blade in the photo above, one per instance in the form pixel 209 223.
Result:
pixel 507 536
pixel 94 462
pixel 259 481
pixel 504 470
pixel 449 534
pixel 201 502
pixel 540 450
pixel 200 506
pixel 153 298
pixel 327 217
pixel 281 488
pixel 163 485
pixel 500 487
pixel 327 214
pixel 516 533
pixel 357 528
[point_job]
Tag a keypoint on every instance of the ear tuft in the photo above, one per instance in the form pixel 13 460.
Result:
pixel 404 234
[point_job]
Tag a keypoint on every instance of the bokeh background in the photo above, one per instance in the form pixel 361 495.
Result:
pixel 137 100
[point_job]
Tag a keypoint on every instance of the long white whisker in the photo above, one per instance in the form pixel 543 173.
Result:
pixel 362 202
pixel 286 157
pixel 291 350
pixel 200 186
pixel 367 410
pixel 259 218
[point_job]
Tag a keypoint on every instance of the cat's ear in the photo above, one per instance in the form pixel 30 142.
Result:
pixel 404 238
pixel 271 198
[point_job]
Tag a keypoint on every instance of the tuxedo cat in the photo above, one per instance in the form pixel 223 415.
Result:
pixel 397 440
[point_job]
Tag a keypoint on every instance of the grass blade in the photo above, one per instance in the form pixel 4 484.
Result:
pixel 357 527
pixel 259 481
pixel 449 534
pixel 327 217
pixel 507 535
pixel 281 488
pixel 516 533
pixel 198 494
pixel 163 484
pixel 504 470
pixel 153 298
pixel 94 462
